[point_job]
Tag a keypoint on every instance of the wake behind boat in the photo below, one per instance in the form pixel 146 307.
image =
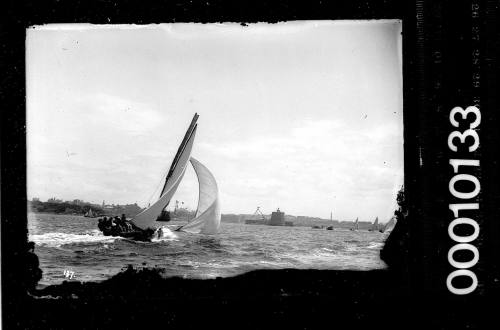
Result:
pixel 146 224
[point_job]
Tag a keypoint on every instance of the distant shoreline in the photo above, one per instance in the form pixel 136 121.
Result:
pixel 321 224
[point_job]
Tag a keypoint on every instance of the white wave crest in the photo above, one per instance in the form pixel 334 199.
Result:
pixel 167 235
pixel 59 239
pixel 374 245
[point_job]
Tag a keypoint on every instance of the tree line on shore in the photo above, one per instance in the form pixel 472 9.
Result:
pixel 78 207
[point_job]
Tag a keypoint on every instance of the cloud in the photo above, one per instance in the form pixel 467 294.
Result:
pixel 91 144
pixel 304 116
pixel 319 161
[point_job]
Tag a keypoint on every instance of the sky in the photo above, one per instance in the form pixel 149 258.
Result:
pixel 304 116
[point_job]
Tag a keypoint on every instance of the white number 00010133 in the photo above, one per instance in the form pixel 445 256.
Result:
pixel 468 138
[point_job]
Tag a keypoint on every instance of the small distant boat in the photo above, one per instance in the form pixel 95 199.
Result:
pixel 90 214
pixel 317 227
pixel 374 225
pixel 355 227
pixel 389 226
pixel 164 216
pixel 331 219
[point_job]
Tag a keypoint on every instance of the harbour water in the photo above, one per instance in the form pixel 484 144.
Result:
pixel 68 244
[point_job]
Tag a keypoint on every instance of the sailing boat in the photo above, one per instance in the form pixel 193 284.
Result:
pixel 89 214
pixel 207 218
pixel 389 226
pixel 374 225
pixel 355 226
pixel 331 219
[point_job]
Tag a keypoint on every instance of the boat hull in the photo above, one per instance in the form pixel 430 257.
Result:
pixel 126 230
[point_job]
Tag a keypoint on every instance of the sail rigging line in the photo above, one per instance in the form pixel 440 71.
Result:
pixel 180 150
pixel 157 186
pixel 164 178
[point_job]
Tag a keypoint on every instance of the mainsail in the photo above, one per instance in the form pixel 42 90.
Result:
pixel 147 218
pixel 180 151
pixel 207 218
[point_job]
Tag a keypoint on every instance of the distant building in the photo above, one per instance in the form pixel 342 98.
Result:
pixel 277 218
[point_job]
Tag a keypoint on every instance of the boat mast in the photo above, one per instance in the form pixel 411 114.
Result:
pixel 182 146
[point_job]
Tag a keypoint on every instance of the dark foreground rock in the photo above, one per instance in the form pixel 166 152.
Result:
pixel 259 299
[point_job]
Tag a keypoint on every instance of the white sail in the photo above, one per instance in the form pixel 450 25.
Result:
pixel 389 225
pixel 147 218
pixel 375 225
pixel 207 219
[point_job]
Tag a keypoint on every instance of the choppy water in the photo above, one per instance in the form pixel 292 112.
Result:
pixel 74 243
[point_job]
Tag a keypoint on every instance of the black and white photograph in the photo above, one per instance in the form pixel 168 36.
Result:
pixel 254 165
pixel 208 150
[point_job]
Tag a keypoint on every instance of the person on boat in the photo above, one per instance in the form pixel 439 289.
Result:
pixel 119 223
pixel 127 226
pixel 160 232
pixel 100 224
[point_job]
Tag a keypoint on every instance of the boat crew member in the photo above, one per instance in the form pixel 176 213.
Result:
pixel 125 223
pixel 118 222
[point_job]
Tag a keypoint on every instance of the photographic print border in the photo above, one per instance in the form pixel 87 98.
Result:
pixel 450 60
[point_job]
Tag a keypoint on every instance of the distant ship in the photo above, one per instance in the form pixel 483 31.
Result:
pixel 261 221
pixel 277 219
pixel 164 216
pixel 207 218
